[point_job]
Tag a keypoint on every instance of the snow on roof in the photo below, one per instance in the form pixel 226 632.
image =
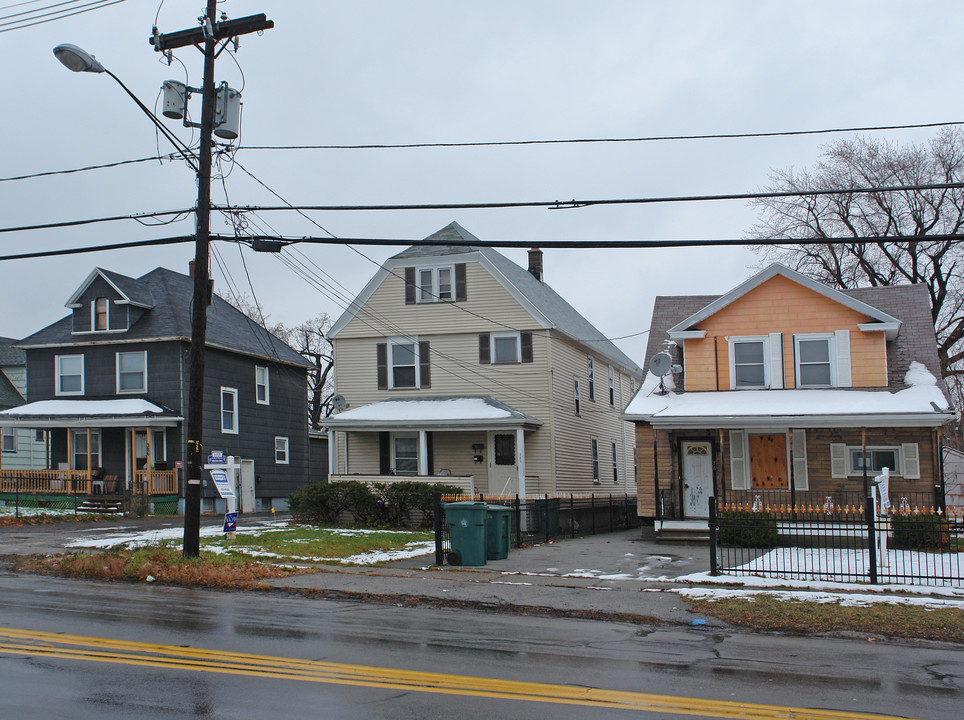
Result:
pixel 919 376
pixel 436 411
pixel 919 399
pixel 84 408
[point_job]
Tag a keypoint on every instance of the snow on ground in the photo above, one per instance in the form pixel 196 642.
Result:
pixel 847 599
pixel 35 511
pixel 130 538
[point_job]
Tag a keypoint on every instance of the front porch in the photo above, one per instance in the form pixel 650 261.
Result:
pixel 83 482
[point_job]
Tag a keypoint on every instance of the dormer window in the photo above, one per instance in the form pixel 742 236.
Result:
pixel 435 284
pixel 99 314
pixel 756 361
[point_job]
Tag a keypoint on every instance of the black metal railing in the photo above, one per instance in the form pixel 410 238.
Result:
pixel 846 542
pixel 546 518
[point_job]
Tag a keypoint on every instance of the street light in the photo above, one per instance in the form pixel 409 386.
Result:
pixel 79 60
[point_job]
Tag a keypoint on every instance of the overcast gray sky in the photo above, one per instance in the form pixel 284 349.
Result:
pixel 403 72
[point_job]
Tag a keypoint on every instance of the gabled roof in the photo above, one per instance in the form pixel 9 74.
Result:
pixel 170 319
pixel 545 305
pixel 889 324
pixel 907 304
pixel 132 292
pixel 10 355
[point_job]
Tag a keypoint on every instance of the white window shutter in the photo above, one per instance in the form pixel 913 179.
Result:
pixel 800 481
pixel 838 460
pixel 842 343
pixel 738 469
pixel 911 457
pixel 776 360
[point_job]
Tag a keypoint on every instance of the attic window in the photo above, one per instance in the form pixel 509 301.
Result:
pixel 435 284
pixel 99 314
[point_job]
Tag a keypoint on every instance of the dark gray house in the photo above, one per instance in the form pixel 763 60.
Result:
pixel 110 383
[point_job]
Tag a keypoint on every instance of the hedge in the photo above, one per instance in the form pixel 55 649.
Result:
pixel 398 504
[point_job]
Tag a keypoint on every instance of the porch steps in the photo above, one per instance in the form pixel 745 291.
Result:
pixel 683 531
pixel 102 506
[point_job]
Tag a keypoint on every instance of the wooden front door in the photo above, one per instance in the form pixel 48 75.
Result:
pixel 768 462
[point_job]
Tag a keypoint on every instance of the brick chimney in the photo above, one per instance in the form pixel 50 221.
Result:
pixel 535 263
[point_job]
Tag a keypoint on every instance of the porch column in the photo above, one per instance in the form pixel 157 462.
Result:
pixel 520 451
pixel 422 452
pixel 88 453
pixel 149 462
pixel 332 453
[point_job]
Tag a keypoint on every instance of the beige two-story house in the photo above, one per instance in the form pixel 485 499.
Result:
pixel 455 362
pixel 785 391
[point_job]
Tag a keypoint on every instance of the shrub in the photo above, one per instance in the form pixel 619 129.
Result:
pixel 920 532
pixel 318 503
pixel 745 528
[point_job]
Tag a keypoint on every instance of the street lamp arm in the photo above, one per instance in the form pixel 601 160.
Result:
pixel 189 154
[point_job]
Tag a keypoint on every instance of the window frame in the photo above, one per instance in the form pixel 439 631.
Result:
pixel 94 313
pixel 98 454
pixel 577 396
pixel 258 385
pixel 59 375
pixel 591 378
pixel 286 460
pixel 612 386
pixel 594 456
pixel 852 470
pixel 395 437
pixel 233 393
pixel 615 463
pixel 142 372
pixel 391 344
pixel 764 341
pixel 8 433
pixel 830 339
pixel 516 337
pixel 434 292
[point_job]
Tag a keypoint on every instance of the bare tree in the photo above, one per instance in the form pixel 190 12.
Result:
pixel 311 341
pixel 893 230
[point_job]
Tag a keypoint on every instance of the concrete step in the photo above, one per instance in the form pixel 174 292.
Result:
pixel 102 507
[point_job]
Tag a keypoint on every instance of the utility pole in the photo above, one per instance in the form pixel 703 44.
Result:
pixel 210 33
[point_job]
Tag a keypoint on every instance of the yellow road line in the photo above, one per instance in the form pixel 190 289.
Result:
pixel 77 647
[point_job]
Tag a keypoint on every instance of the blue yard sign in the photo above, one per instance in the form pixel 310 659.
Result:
pixel 230 522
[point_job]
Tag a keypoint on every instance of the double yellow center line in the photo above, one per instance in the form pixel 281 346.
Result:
pixel 76 647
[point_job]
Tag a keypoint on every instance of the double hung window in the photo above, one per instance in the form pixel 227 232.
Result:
pixel 405 454
pixel 814 360
pixel 132 372
pixel 281 450
pixel 435 284
pixel 403 361
pixel 70 374
pixel 749 363
pixel 99 315
pixel 261 390
pixel 229 410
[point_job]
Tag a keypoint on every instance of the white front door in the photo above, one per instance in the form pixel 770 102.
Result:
pixel 697 478
pixel 246 489
pixel 503 463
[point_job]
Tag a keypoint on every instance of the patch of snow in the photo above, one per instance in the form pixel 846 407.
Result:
pixel 469 408
pixel 918 375
pixel 845 599
pixel 84 408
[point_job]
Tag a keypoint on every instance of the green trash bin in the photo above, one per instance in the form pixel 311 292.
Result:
pixel 466 524
pixel 498 519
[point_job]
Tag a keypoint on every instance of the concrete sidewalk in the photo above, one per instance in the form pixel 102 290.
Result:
pixel 617 574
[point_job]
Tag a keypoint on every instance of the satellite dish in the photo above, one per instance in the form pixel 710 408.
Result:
pixel 661 364
pixel 338 402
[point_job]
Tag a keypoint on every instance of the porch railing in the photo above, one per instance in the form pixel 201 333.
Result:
pixel 466 483
pixel 54 482
pixel 155 482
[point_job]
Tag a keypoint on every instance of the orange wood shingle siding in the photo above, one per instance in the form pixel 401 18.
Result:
pixel 781 305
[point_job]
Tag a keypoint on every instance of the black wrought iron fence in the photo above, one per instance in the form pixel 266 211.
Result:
pixel 847 542
pixel 546 518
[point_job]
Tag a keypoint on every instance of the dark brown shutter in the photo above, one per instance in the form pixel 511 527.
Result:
pixel 424 365
pixel 484 350
pixel 460 289
pixel 430 452
pixel 410 286
pixel 384 453
pixel 381 361
pixel 526 341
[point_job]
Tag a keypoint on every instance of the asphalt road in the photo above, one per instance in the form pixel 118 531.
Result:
pixel 72 649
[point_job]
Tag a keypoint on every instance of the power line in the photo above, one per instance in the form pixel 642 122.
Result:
pixel 99 248
pixel 572 204
pixel 573 141
pixel 42 18
pixel 551 204
pixel 119 163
